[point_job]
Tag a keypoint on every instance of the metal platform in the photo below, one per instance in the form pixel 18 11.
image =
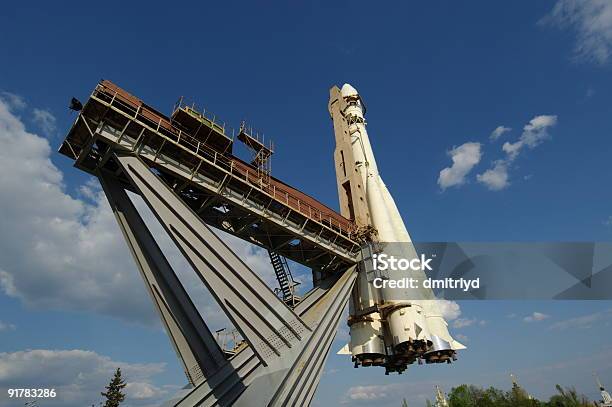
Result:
pixel 202 128
pixel 192 154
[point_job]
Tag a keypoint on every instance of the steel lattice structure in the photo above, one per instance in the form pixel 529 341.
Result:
pixel 190 182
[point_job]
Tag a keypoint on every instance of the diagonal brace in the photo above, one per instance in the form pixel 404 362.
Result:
pixel 191 338
pixel 265 322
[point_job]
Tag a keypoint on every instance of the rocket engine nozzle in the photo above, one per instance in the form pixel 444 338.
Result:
pixel 441 351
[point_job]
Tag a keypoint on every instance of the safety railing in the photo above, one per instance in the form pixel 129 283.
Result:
pixel 281 193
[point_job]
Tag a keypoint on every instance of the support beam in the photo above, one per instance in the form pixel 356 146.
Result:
pixel 294 382
pixel 265 322
pixel 191 338
pixel 287 350
pixel 299 385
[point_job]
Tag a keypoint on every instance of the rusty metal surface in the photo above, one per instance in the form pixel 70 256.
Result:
pixel 278 190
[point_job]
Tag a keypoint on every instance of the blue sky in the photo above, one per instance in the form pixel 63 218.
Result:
pixel 434 76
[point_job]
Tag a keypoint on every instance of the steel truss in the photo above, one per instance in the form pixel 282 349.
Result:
pixel 224 191
pixel 287 348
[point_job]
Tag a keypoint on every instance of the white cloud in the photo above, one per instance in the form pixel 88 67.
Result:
pixel 583 322
pixel 536 317
pixel 464 157
pixel 62 252
pixel 370 393
pixel 15 102
pixel 498 132
pixel 45 120
pixel 534 133
pixel 78 376
pixel 462 338
pixel 495 178
pixel 144 391
pixel 465 322
pixel 5 326
pixel 449 309
pixel 592 22
pixel 608 222
pixel 391 394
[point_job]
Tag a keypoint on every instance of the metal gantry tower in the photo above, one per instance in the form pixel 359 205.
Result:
pixel 183 168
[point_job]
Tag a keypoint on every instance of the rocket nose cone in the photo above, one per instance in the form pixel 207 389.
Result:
pixel 348 91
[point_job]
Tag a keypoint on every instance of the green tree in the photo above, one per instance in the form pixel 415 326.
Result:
pixel 404 403
pixel 472 396
pixel 462 396
pixel 568 397
pixel 519 397
pixel 114 391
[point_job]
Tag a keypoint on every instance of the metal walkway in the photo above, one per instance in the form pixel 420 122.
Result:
pixel 223 190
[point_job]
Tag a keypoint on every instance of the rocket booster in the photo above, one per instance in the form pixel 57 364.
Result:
pixel 386 329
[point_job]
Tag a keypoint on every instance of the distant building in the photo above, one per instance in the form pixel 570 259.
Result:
pixel 518 389
pixel 440 398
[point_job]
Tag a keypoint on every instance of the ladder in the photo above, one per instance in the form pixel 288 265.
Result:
pixel 286 290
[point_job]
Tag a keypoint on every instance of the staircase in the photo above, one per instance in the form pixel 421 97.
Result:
pixel 286 289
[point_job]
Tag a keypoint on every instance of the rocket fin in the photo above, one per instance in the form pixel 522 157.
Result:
pixel 345 350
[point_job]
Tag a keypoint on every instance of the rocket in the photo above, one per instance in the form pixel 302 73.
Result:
pixel 389 327
pixel 606 399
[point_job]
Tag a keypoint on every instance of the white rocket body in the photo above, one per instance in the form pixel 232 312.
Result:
pixel 606 399
pixel 403 330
